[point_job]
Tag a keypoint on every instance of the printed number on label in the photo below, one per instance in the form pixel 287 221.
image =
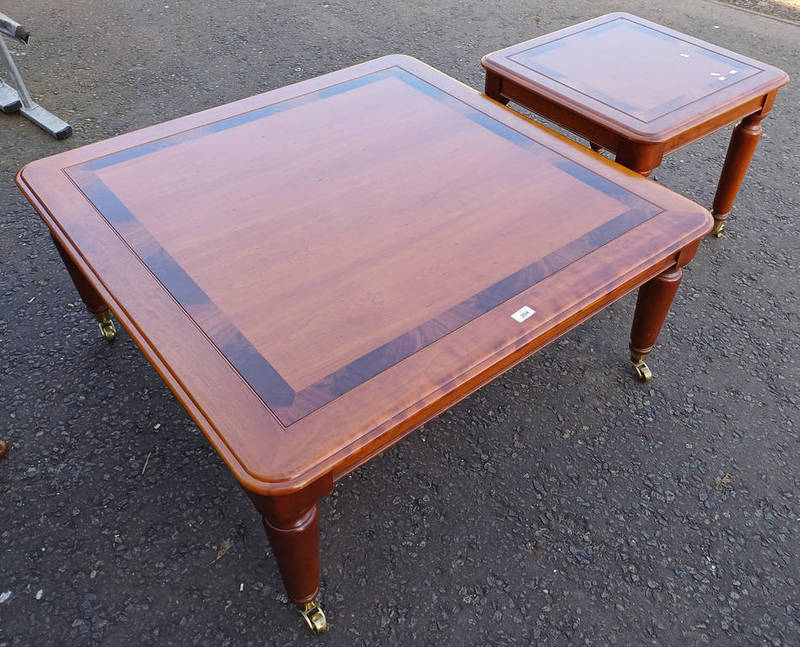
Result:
pixel 522 314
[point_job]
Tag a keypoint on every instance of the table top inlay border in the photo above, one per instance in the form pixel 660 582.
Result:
pixel 286 403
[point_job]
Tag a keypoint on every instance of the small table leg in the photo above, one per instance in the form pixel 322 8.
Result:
pixel 639 157
pixel 294 537
pixel 652 305
pixel 91 298
pixel 492 87
pixel 740 151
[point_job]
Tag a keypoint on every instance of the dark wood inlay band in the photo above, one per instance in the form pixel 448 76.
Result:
pixel 527 59
pixel 289 406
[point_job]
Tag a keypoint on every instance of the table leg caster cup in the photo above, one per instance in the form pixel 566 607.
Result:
pixel 315 617
pixel 719 228
pixel 641 369
pixel 107 328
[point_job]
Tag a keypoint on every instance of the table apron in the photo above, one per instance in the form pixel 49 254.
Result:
pixel 611 139
pixel 414 422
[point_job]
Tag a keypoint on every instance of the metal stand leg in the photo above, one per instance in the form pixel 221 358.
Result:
pixel 31 110
pixel 9 99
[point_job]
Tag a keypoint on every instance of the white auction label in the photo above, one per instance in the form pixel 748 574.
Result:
pixel 523 313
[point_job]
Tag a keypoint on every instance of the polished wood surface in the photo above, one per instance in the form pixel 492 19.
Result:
pixel 274 299
pixel 317 270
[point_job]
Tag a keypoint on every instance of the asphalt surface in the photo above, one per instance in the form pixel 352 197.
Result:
pixel 780 9
pixel 564 504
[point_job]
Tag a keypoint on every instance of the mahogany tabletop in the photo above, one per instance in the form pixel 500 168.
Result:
pixel 317 270
pixel 644 80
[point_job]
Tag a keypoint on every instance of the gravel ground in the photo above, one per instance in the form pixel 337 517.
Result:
pixel 564 504
pixel 782 9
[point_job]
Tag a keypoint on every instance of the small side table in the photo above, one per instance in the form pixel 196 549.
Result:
pixel 641 90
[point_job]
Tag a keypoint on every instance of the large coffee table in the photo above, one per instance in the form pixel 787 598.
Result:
pixel 318 270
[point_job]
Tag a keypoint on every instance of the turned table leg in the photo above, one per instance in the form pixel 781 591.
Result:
pixel 652 305
pixel 740 151
pixel 492 87
pixel 91 298
pixel 293 534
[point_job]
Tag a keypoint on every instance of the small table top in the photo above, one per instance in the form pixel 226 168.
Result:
pixel 646 80
pixel 319 269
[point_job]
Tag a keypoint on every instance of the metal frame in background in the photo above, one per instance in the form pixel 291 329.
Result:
pixel 20 99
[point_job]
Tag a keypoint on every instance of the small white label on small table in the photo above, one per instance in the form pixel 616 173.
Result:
pixel 523 313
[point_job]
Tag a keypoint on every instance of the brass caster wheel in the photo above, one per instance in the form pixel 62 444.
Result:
pixel 315 617
pixel 3 448
pixel 719 228
pixel 107 328
pixel 641 369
